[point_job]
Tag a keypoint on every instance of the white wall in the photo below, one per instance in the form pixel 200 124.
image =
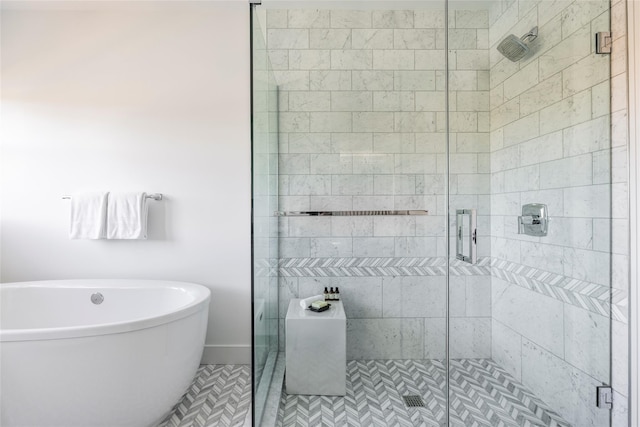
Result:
pixel 122 96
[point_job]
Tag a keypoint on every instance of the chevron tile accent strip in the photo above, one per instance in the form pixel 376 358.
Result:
pixel 580 293
pixel 589 296
pixel 376 267
pixel 482 395
pixel 219 396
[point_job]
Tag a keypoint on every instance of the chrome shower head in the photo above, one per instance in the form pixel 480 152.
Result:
pixel 513 48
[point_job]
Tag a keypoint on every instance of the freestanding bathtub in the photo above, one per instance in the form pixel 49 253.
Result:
pixel 88 353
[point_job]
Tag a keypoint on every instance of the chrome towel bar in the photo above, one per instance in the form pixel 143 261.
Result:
pixel 351 213
pixel 154 196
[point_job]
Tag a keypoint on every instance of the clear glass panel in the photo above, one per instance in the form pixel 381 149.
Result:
pixel 370 119
pixel 532 316
pixel 265 223
pixel 362 128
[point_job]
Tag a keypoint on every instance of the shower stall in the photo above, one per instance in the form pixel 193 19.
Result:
pixel 448 166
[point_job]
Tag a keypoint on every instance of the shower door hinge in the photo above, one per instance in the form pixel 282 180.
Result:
pixel 604 397
pixel 603 42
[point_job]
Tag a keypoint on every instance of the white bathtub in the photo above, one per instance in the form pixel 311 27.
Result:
pixel 65 361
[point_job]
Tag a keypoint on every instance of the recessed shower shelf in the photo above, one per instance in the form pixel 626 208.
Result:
pixel 351 213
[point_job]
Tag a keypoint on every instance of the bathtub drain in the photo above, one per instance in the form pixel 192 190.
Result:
pixel 97 298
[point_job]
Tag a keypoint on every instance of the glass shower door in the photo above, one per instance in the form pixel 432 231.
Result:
pixel 529 154
pixel 264 222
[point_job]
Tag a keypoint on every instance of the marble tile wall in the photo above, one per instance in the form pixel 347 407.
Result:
pixel 551 143
pixel 362 127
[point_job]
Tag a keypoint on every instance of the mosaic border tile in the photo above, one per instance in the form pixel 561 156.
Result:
pixel 373 267
pixel 580 293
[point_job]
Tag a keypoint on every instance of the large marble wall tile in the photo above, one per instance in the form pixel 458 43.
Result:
pixel 330 39
pixel 308 18
pixel 351 100
pixel 530 314
pixel 570 111
pixel 330 203
pixel 330 122
pixel 430 59
pixel 372 80
pixel 432 18
pixel 332 164
pixel 506 348
pixel 587 342
pixel 478 296
pixel 362 127
pixel 587 201
pixel 567 172
pixel 620 358
pixel 567 389
pixel 373 122
pixel 324 247
pixel 309 185
pixel 373 246
pixel 566 53
pixel 329 80
pixel 435 338
pixel 393 18
pixel 351 59
pixel 351 18
pixel 304 227
pixel 309 101
pixel 350 142
pixel 381 338
pixel 394 101
pixel 352 226
pixel 419 296
pixel 372 39
pixel 414 39
pixel 288 39
pixel 393 59
pixel 470 337
pixel 542 149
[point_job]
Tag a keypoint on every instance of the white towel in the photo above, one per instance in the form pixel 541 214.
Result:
pixel 88 215
pixel 127 216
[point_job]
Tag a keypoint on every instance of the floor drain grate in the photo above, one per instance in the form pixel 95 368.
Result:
pixel 413 401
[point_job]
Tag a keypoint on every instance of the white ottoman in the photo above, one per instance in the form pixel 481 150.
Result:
pixel 316 350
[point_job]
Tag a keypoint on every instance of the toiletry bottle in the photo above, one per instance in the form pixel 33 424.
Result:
pixel 337 294
pixel 326 294
pixel 331 294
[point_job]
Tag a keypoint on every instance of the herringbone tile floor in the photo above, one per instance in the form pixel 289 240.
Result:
pixel 482 394
pixel 220 396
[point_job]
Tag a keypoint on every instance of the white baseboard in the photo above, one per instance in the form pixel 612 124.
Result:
pixel 226 355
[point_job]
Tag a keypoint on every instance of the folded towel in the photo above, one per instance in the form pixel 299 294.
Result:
pixel 127 216
pixel 88 215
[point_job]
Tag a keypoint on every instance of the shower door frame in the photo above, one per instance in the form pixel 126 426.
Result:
pixel 633 51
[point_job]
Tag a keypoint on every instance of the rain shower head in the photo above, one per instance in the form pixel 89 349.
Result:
pixel 513 48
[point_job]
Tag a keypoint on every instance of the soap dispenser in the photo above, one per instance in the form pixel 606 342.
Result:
pixel 337 294
pixel 326 294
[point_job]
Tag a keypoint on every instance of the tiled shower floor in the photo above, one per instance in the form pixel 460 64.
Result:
pixel 483 394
